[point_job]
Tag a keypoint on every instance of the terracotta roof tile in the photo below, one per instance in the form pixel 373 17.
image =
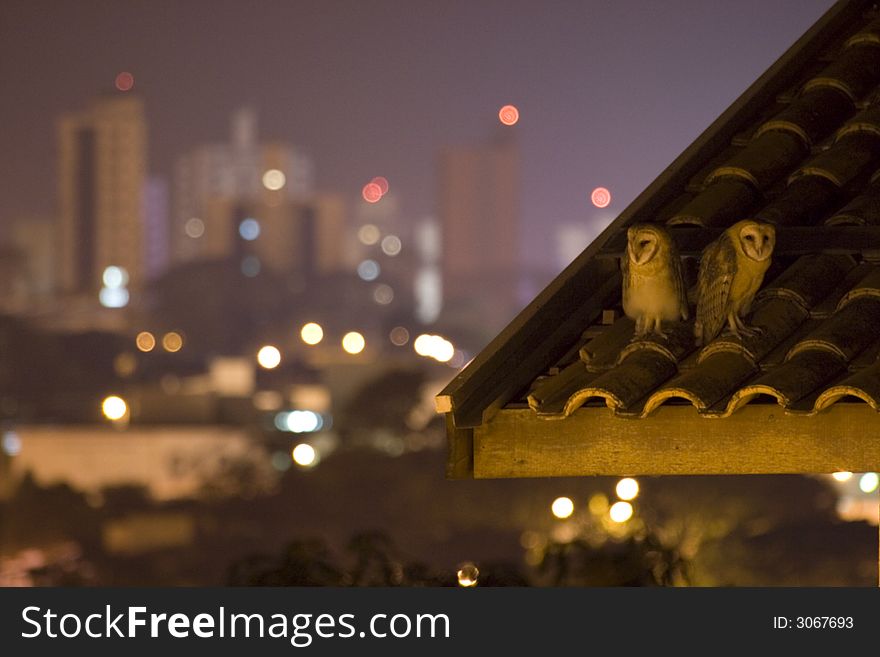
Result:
pixel 800 150
pixel 815 160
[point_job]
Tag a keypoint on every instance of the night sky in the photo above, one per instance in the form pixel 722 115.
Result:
pixel 609 92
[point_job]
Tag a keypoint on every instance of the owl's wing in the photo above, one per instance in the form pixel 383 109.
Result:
pixel 624 272
pixel 678 280
pixel 717 268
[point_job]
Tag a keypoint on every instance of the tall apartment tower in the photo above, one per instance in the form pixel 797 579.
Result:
pixel 217 185
pixel 479 211
pixel 102 167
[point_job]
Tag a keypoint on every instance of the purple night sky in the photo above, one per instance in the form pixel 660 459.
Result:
pixel 609 93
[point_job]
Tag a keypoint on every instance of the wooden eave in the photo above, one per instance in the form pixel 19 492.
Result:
pixel 675 440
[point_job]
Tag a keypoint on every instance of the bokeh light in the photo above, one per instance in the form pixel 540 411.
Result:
pixel 399 336
pixel 113 297
pixel 434 346
pixel 467 575
pixel 303 421
pixel 620 512
pixel 869 482
pixel 391 245
pixel 353 342
pixel 443 351
pixel 114 407
pixel 194 227
pixel 627 489
pixel 172 341
pixel 249 229
pixel 268 357
pixel 304 455
pixel 601 197
pixel 562 507
pixel 842 476
pixel 422 345
pixel 459 358
pixel 382 182
pixel 369 234
pixel 311 333
pixel 11 443
pixel 371 192
pixel 369 270
pixel 273 180
pixel 115 277
pixel 383 294
pixel 124 81
pixel 508 115
pixel 145 341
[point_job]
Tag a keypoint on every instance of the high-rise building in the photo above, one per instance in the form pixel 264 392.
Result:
pixel 215 183
pixel 295 237
pixel 479 211
pixel 156 238
pixel 102 170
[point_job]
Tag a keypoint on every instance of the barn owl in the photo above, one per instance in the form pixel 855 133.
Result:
pixel 731 271
pixel 653 288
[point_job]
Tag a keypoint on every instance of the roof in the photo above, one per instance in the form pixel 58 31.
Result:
pixel 799 149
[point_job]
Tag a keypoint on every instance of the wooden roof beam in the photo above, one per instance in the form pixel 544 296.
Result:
pixel 676 440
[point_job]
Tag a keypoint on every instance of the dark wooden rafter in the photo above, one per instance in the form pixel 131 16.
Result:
pixel 542 332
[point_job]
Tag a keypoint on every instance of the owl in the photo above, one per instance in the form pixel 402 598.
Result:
pixel 653 287
pixel 731 271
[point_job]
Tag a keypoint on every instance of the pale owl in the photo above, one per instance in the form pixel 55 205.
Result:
pixel 653 288
pixel 731 271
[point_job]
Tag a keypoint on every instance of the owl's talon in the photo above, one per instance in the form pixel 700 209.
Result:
pixel 743 331
pixel 653 333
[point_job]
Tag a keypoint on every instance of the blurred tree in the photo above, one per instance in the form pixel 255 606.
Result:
pixel 374 562
pixel 302 563
pixel 635 561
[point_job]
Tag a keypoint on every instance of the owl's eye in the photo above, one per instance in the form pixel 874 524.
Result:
pixel 644 242
pixel 750 238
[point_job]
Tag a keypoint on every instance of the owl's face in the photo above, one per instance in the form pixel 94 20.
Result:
pixel 757 240
pixel 643 243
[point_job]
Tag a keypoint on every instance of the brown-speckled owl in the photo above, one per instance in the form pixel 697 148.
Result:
pixel 653 287
pixel 731 271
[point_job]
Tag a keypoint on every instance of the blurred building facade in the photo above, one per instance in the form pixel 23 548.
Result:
pixel 479 209
pixel 249 198
pixel 102 168
pixel 157 243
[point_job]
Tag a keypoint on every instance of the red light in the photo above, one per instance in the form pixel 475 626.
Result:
pixel 124 81
pixel 601 197
pixel 371 192
pixel 382 181
pixel 508 115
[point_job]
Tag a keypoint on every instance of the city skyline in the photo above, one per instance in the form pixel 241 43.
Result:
pixel 319 78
